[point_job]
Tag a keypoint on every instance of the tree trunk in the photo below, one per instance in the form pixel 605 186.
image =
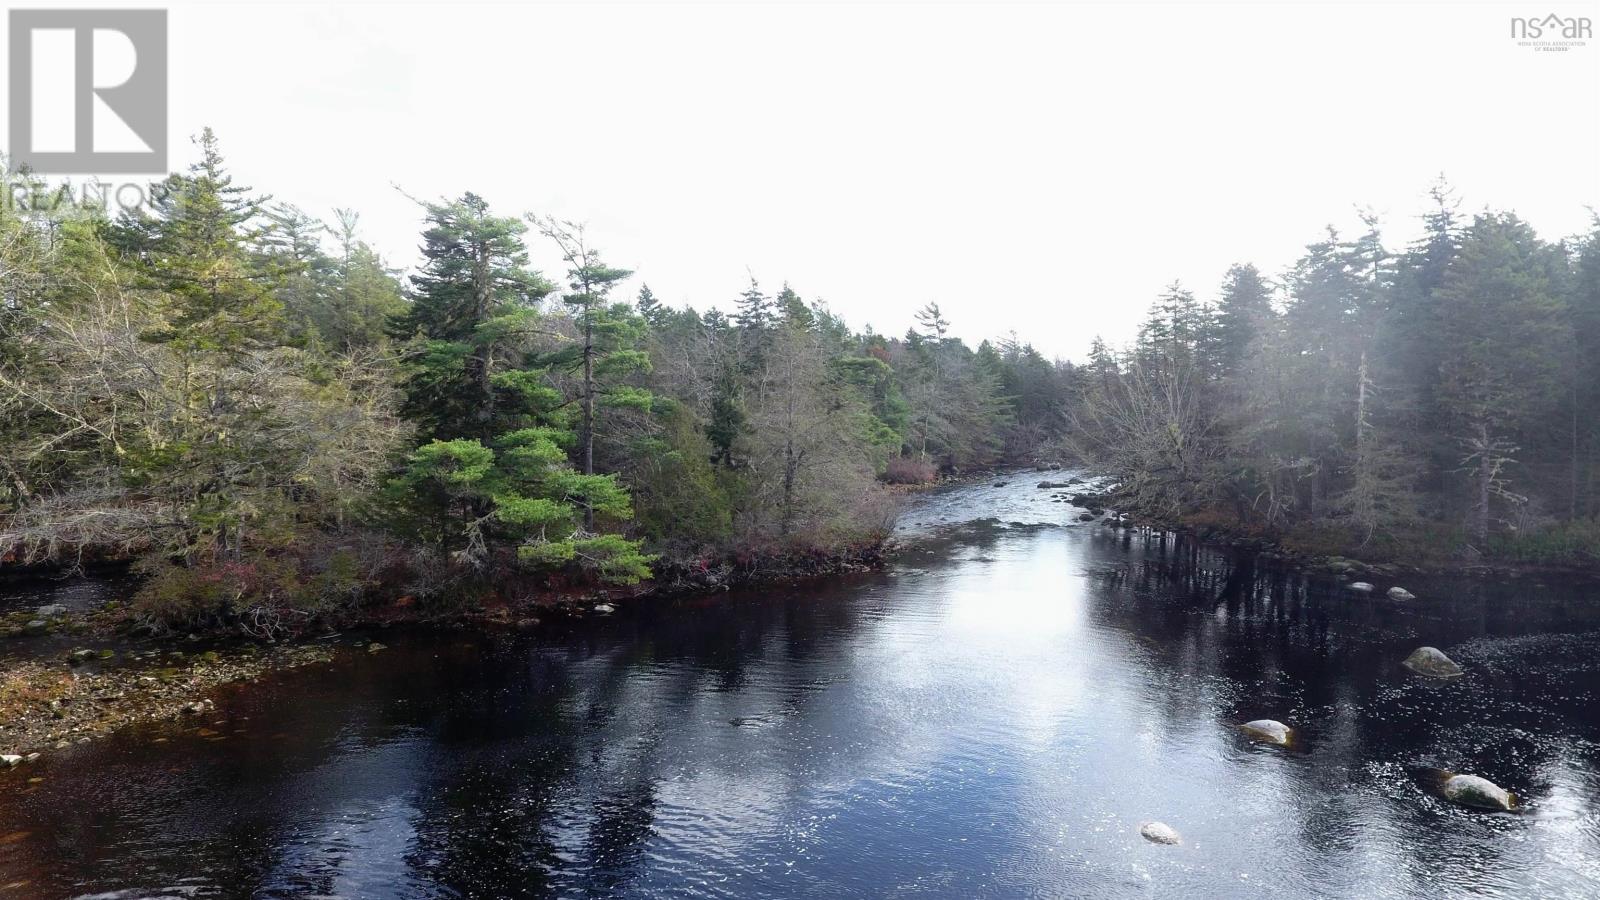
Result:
pixel 588 404
pixel 1364 490
pixel 1480 511
pixel 790 464
pixel 1572 494
pixel 481 292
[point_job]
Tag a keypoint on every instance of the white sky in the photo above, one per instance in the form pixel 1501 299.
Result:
pixel 1039 167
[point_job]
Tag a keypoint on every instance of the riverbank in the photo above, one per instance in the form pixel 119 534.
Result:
pixel 121 668
pixel 1428 549
pixel 52 705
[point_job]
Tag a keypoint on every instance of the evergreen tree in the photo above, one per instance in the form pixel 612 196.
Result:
pixel 932 323
pixel 1507 329
pixel 792 311
pixel 607 350
pixel 1409 341
pixel 190 247
pixel 1584 402
pixel 649 307
pixel 755 314
pixel 364 294
pixel 1243 314
pixel 473 296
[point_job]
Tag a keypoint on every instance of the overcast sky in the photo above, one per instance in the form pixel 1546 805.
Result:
pixel 1043 167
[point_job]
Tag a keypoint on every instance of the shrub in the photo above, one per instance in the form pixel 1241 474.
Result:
pixel 906 470
pixel 1564 543
pixel 261 592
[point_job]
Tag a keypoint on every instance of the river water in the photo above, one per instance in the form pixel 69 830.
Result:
pixel 994 715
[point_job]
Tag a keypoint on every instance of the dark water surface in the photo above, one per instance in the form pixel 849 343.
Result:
pixel 994 716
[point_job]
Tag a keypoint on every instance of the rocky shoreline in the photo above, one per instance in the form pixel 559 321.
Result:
pixel 115 678
pixel 47 706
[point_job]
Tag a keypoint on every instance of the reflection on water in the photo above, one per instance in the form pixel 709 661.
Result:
pixel 992 717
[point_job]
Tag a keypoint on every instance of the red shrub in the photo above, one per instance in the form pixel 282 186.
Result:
pixel 905 470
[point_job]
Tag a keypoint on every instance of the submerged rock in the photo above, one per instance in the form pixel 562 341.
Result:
pixel 1432 661
pixel 1268 731
pixel 604 608
pixel 1361 586
pixel 376 647
pixel 37 626
pixel 1481 793
pixel 1400 593
pixel 1160 833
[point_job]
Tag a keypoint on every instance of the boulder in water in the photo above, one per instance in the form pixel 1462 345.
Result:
pixel 1400 593
pixel 1481 793
pixel 604 609
pixel 1431 661
pixel 51 611
pixel 1267 731
pixel 1160 833
pixel 1361 586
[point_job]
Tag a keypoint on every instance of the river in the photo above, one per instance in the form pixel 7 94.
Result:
pixel 993 715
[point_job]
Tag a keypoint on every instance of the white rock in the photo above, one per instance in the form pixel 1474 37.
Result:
pixel 604 608
pixel 1470 790
pixel 1400 593
pixel 9 759
pixel 1268 731
pixel 1361 586
pixel 50 611
pixel 1160 833
pixel 1432 661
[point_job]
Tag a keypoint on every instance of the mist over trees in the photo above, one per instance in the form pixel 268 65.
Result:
pixel 1437 399
pixel 266 414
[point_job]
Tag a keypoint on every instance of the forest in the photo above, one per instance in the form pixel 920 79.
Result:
pixel 264 414
pixel 1433 403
